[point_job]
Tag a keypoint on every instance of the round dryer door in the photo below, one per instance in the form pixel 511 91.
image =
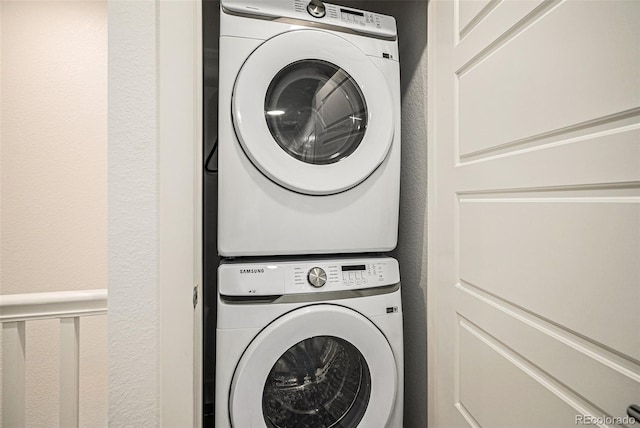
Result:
pixel 313 112
pixel 322 365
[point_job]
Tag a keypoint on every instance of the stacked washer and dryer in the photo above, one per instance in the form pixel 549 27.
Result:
pixel 309 316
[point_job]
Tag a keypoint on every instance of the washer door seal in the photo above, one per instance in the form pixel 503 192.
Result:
pixel 269 346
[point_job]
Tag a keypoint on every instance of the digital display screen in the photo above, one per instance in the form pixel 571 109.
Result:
pixel 351 12
pixel 353 267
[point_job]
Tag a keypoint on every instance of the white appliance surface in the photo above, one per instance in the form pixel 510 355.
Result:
pixel 339 16
pixel 309 130
pixel 293 334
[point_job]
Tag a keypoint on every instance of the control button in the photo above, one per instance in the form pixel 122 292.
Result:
pixel 317 277
pixel 316 9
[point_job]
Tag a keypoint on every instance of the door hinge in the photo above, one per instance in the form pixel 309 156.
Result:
pixel 195 296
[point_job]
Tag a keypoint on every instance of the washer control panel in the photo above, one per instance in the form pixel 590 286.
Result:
pixel 344 275
pixel 362 274
pixel 312 276
pixel 360 18
pixel 317 11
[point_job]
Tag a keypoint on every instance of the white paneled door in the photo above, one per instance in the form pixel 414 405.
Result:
pixel 534 231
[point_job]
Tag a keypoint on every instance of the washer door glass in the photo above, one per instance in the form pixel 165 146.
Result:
pixel 323 381
pixel 316 112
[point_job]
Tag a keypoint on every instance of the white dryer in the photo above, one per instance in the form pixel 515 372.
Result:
pixel 309 129
pixel 309 344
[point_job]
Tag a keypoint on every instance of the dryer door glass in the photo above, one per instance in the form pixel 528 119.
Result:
pixel 316 112
pixel 323 381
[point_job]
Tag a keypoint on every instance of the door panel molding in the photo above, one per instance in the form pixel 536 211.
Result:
pixel 534 252
pixel 467 19
pixel 473 57
pixel 534 211
pixel 550 401
pixel 624 121
pixel 549 82
pixel 475 299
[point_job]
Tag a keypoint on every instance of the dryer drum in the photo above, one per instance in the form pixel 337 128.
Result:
pixel 323 381
pixel 316 112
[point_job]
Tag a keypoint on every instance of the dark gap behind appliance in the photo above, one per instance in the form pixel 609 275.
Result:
pixel 210 43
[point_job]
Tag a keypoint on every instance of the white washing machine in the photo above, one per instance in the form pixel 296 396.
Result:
pixel 309 129
pixel 309 344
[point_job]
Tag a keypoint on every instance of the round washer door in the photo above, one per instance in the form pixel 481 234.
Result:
pixel 321 365
pixel 313 112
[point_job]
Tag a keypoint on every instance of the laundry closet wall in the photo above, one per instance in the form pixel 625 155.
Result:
pixel 411 19
pixel 53 205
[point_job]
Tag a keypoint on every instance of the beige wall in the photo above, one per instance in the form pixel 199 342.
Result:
pixel 53 204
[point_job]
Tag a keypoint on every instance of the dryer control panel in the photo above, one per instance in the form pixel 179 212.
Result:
pixel 317 11
pixel 312 276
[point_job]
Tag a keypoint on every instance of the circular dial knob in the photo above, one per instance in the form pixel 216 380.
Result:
pixel 317 277
pixel 316 9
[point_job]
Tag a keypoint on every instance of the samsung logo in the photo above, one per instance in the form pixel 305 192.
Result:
pixel 251 270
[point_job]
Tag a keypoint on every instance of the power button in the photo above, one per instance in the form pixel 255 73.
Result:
pixel 316 9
